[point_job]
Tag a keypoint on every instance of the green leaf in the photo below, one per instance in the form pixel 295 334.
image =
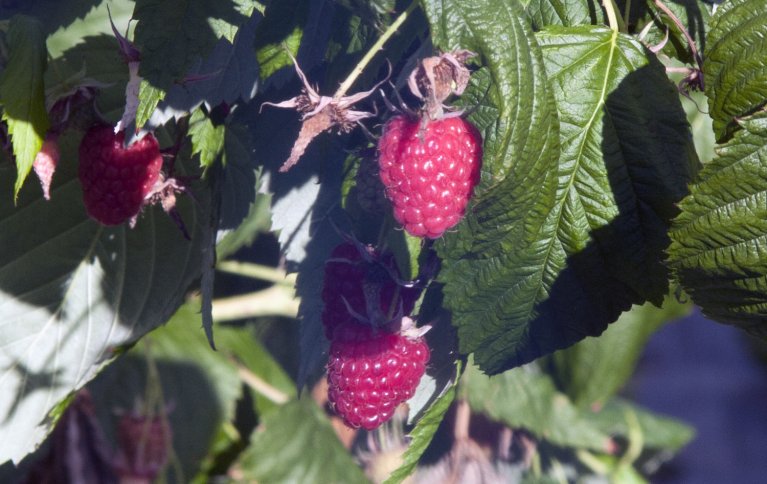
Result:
pixel 526 397
pixel 149 97
pixel 719 239
pixel 422 434
pixel 296 443
pixel 598 242
pixel 280 33
pixel 543 13
pixel 657 432
pixel 93 58
pixel 242 344
pixel 735 66
pixel 207 138
pixel 190 374
pixel 591 371
pixel 172 34
pixel 519 125
pixel 273 57
pixel 69 23
pixel 22 93
pixel 73 292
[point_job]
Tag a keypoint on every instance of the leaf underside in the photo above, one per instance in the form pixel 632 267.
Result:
pixel 73 292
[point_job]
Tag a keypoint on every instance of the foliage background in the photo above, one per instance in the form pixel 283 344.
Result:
pixel 589 156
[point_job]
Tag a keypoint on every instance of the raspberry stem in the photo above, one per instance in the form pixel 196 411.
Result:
pixel 347 83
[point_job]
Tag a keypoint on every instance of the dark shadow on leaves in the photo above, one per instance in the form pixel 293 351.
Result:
pixel 54 14
pixel 649 157
pixel 33 381
pixel 195 408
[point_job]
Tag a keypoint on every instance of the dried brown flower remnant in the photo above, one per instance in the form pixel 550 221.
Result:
pixel 437 78
pixel 319 114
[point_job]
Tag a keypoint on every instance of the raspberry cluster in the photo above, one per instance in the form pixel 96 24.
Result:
pixel 373 367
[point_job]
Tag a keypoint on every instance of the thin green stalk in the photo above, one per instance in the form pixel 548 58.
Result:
pixel 613 19
pixel 627 13
pixel 347 83
pixel 257 271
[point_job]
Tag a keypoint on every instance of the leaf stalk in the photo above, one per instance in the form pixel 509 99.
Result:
pixel 613 19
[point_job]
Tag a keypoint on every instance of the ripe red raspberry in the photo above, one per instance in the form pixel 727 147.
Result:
pixel 348 274
pixel 371 371
pixel 429 171
pixel 116 179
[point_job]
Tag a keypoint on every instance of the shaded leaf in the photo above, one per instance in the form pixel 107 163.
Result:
pixel 304 203
pixel 73 292
pixel 283 30
pixel 173 34
pixel 227 75
pixel 720 237
pixel 198 385
pixel 658 432
pixel 22 93
pixel 656 28
pixel 735 66
pixel 95 57
pixel 309 448
pixel 543 13
pixel 526 398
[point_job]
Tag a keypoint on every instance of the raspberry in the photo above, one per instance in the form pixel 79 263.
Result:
pixel 429 171
pixel 370 372
pixel 347 274
pixel 144 443
pixel 116 179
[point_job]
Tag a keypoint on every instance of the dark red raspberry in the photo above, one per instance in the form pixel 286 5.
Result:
pixel 347 277
pixel 370 372
pixel 429 171
pixel 143 445
pixel 115 179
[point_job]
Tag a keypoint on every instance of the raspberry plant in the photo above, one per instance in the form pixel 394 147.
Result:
pixel 587 213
